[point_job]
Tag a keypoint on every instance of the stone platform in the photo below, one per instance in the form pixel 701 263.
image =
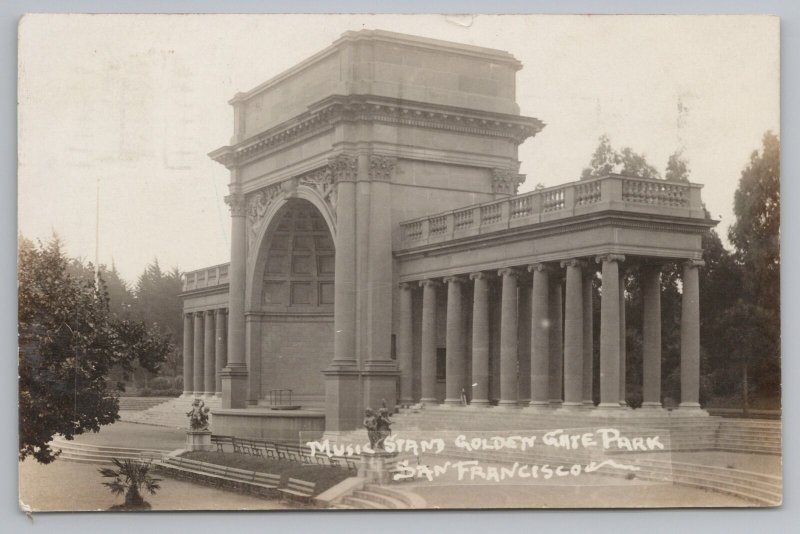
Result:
pixel 276 425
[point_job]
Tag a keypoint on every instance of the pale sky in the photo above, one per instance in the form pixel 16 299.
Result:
pixel 137 102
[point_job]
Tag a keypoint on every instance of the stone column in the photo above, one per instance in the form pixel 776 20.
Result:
pixel 573 335
pixel 622 341
pixel 609 332
pixel 342 391
pixel 690 337
pixel 199 362
pixel 221 349
pixel 480 340
pixel 651 333
pixel 429 341
pixel 524 341
pixel 508 339
pixel 379 371
pixel 556 366
pixel 209 357
pixel 588 339
pixel 540 336
pixel 454 342
pixel 233 377
pixel 405 344
pixel 188 355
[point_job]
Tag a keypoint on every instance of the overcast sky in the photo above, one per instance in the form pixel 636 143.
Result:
pixel 137 102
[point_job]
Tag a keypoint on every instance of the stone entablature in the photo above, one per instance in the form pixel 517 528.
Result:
pixel 369 108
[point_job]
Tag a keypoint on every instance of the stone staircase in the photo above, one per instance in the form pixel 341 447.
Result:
pixel 137 404
pixel 375 497
pixel 72 451
pixel 171 413
pixel 678 432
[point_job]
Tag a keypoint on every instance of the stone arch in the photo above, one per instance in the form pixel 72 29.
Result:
pixel 289 298
pixel 257 252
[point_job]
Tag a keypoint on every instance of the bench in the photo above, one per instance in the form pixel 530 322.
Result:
pixel 287 452
pixel 221 441
pixel 299 489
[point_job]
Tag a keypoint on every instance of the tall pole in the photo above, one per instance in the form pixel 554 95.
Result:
pixel 97 235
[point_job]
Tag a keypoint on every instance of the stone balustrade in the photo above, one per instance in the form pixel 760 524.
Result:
pixel 205 278
pixel 612 192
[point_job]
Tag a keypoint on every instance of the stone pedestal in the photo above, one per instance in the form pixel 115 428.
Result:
pixel 376 467
pixel 199 440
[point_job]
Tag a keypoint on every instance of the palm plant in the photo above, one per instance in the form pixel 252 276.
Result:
pixel 130 477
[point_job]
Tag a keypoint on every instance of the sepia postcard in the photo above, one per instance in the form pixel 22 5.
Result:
pixel 403 262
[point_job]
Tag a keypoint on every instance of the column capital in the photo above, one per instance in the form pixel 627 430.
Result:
pixel 210 312
pixel 574 262
pixel 455 279
pixel 237 204
pixel 508 271
pixel 694 263
pixel 344 167
pixel 619 258
pixel 540 267
pixel 407 286
pixel 199 314
pixel 221 311
pixel 480 275
pixel 430 282
pixel 381 168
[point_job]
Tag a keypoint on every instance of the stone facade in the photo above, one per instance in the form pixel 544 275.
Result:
pixel 380 252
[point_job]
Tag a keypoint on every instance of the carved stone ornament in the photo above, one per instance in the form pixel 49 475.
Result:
pixel 344 167
pixel 236 203
pixel 321 180
pixel 506 181
pixel 381 168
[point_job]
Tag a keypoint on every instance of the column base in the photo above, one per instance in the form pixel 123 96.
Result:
pixel 380 384
pixel 453 402
pixel 508 404
pixel 198 394
pixel 429 402
pixel 342 399
pixel 555 403
pixel 234 386
pixel 480 403
pixel 588 404
pixel 608 408
pixel 187 395
pixel 651 406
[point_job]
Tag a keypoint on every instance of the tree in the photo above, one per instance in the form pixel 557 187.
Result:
pixel 130 477
pixel 606 160
pixel 68 343
pixel 756 238
pixel 677 168
pixel 756 232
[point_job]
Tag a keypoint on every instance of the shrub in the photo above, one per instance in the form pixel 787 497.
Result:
pixel 160 383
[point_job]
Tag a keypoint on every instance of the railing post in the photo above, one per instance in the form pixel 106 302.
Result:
pixel 611 189
pixel 569 198
pixel 426 230
pixel 505 212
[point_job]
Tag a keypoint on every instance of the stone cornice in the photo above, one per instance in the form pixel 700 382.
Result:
pixel 366 108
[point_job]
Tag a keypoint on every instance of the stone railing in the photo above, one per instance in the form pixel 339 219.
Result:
pixel 204 278
pixel 613 192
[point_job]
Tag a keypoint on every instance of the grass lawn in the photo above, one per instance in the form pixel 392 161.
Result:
pixel 324 476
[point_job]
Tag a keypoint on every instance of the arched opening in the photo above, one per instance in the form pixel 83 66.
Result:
pixel 293 298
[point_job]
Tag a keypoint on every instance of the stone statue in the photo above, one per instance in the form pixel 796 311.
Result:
pixel 198 415
pixel 371 424
pixel 383 424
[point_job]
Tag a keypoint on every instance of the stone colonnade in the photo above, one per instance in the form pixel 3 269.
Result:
pixel 561 345
pixel 205 349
